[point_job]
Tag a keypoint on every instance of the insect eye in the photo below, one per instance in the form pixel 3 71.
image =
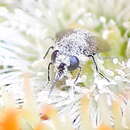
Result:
pixel 53 56
pixel 74 63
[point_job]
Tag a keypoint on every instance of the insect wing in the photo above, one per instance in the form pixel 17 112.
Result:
pixel 101 44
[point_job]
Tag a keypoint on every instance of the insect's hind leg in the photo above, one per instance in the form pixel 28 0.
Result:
pixel 97 68
pixel 51 47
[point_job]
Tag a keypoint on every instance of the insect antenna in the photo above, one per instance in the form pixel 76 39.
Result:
pixel 51 47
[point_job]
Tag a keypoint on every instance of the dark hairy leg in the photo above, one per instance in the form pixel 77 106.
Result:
pixel 78 74
pixel 51 47
pixel 97 68
pixel 49 65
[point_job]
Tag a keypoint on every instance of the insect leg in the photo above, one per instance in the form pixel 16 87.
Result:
pixel 49 70
pixel 78 74
pixel 51 47
pixel 98 69
pixel 50 91
pixel 58 75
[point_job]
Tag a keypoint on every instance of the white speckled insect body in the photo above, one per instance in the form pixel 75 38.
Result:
pixel 75 42
pixel 70 45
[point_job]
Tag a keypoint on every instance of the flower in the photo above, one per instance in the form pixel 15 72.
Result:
pixel 28 28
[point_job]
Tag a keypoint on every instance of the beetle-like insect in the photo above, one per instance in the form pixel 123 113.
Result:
pixel 70 45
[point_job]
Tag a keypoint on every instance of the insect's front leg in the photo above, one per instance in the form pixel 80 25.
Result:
pixel 96 66
pixel 98 69
pixel 78 74
pixel 49 65
pixel 51 47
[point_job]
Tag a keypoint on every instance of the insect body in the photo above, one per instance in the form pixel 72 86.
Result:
pixel 70 45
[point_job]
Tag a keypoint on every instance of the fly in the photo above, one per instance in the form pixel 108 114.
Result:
pixel 70 45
